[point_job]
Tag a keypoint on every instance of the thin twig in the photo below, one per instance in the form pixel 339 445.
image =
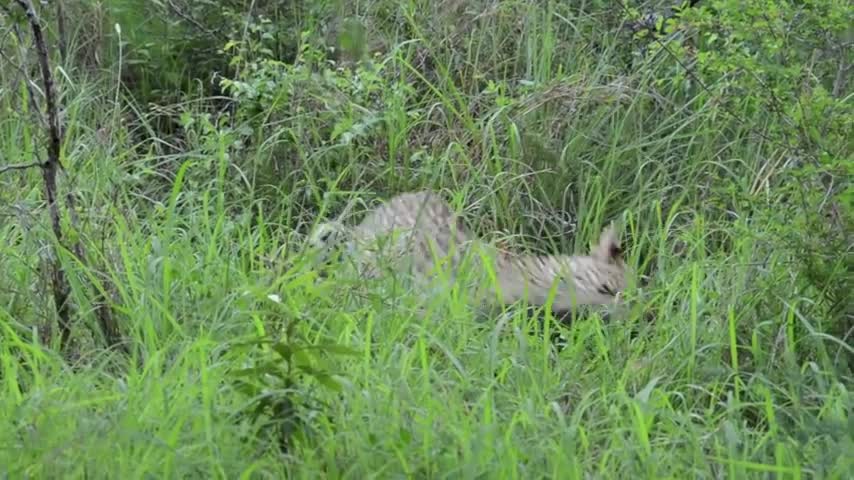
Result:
pixel 189 19
pixel 61 31
pixel 20 68
pixel 19 166
pixel 30 85
pixel 841 77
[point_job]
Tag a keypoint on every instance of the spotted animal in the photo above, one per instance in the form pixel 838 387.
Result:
pixel 419 235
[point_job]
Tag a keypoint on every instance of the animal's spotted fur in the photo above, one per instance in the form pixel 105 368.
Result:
pixel 418 232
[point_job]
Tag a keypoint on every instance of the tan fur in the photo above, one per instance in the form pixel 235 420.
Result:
pixel 418 233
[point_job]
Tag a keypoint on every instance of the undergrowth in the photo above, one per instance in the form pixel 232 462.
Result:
pixel 718 141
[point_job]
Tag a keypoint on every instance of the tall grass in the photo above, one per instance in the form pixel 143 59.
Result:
pixel 727 362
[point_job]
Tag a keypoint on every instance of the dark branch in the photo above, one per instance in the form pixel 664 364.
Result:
pixel 192 21
pixel 31 86
pixel 20 166
pixel 61 287
pixel 47 79
pixel 59 282
pixel 63 37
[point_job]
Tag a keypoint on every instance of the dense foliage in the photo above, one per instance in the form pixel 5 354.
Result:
pixel 202 140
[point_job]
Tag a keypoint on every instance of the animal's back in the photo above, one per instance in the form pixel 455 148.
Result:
pixel 419 227
pixel 421 210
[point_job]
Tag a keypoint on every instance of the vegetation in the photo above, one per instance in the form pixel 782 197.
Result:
pixel 202 140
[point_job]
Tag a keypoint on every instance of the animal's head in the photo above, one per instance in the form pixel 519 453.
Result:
pixel 325 237
pixel 608 250
pixel 595 279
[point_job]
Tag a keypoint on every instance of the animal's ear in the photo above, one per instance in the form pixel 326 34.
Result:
pixel 608 249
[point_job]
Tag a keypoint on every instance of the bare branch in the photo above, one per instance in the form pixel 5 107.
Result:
pixel 19 166
pixel 49 89
pixel 59 282
pixel 192 21
pixel 63 37
pixel 841 77
pixel 31 86
pixel 61 287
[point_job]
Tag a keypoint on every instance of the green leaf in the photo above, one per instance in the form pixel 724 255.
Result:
pixel 284 350
pixel 336 348
pixel 267 368
pixel 328 381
